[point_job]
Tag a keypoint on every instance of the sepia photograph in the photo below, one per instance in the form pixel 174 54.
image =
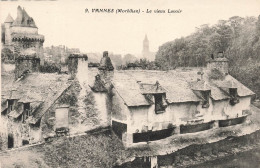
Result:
pixel 130 84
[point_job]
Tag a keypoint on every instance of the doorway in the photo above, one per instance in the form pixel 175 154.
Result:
pixel 10 141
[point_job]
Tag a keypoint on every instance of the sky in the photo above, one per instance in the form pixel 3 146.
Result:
pixel 66 23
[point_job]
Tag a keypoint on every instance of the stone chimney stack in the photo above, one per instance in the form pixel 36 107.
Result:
pixel 105 63
pixel 219 62
pixel 106 68
pixel 78 68
pixel 26 64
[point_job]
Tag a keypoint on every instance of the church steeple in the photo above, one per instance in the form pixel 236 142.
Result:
pixel 146 43
pixel 145 38
pixel 146 47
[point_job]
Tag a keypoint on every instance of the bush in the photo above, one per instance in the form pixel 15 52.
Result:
pixel 7 55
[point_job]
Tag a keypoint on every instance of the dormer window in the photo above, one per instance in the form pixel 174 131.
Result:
pixel 233 96
pixel 205 95
pixel 159 104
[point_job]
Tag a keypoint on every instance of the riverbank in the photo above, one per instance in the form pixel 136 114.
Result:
pixel 204 155
pixel 243 159
pixel 104 149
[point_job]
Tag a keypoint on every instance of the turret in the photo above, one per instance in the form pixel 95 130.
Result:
pixel 8 22
pixel 23 34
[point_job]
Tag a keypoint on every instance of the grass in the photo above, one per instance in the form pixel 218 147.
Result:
pixel 98 150
pixel 90 150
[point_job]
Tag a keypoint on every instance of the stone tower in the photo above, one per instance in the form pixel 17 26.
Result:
pixel 22 34
pixel 220 62
pixel 146 51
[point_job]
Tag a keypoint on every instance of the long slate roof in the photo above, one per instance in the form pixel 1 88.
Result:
pixel 179 85
pixel 41 90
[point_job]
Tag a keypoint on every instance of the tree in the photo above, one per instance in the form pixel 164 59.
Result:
pixel 7 55
pixel 129 58
pixel 238 37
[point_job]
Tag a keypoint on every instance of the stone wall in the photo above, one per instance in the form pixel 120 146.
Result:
pixel 24 30
pixel 17 130
pixel 101 100
pixel 20 46
pixel 119 110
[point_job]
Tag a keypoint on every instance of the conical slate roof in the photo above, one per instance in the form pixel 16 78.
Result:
pixel 9 19
pixel 23 19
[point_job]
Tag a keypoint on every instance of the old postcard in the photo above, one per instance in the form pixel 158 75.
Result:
pixel 130 84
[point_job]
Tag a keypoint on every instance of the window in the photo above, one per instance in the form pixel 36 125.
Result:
pixel 10 105
pixel 205 94
pixel 233 96
pixel 26 112
pixel 159 104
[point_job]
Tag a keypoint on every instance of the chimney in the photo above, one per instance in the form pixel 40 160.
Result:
pixel 105 63
pixel 78 68
pixel 106 69
pixel 26 64
pixel 220 63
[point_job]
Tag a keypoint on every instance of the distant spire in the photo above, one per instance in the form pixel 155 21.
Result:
pixel 145 38
pixel 9 19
